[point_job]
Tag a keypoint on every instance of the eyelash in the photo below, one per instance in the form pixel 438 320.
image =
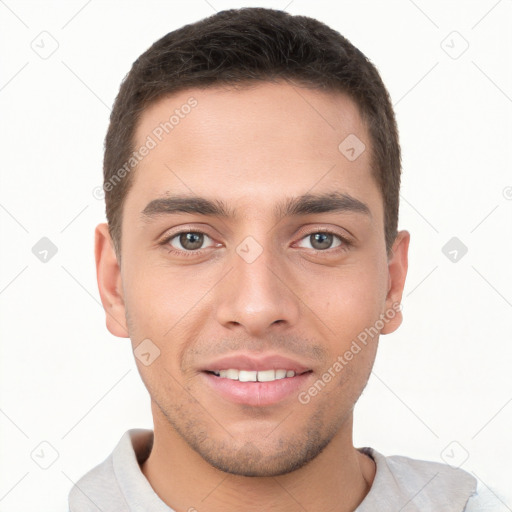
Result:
pixel 345 242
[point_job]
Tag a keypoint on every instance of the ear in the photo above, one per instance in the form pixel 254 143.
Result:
pixel 110 284
pixel 397 271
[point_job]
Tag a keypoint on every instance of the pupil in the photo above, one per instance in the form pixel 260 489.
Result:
pixel 191 240
pixel 321 240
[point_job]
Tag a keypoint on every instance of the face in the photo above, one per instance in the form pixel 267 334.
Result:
pixel 253 258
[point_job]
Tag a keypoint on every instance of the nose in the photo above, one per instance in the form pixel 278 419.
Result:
pixel 257 295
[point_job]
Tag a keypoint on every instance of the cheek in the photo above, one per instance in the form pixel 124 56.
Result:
pixel 348 300
pixel 157 298
pixel 166 306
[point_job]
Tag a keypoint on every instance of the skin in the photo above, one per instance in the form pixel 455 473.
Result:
pixel 252 148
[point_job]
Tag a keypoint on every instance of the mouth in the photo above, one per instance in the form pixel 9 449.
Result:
pixel 270 375
pixel 252 381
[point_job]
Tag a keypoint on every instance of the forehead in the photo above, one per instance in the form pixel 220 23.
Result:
pixel 261 142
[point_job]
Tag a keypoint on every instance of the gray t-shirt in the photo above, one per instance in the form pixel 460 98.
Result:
pixel 400 484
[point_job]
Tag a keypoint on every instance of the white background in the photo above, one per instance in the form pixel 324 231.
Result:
pixel 443 377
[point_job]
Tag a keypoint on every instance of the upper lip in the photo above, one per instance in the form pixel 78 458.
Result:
pixel 256 363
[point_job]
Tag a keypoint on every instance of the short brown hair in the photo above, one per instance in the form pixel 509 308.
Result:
pixel 243 46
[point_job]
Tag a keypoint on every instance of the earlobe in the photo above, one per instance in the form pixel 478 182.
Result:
pixel 108 275
pixel 397 271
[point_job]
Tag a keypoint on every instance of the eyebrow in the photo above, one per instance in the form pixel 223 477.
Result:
pixel 305 204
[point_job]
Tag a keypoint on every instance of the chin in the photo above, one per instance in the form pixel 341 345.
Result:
pixel 284 456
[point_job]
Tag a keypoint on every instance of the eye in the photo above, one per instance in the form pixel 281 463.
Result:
pixel 323 240
pixel 187 241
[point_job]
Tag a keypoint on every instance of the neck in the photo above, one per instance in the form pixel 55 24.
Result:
pixel 336 480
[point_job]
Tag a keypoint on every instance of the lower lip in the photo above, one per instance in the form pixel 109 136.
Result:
pixel 257 393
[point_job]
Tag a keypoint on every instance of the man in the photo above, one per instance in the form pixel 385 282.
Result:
pixel 252 173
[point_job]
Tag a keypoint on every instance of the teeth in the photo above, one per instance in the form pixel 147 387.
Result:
pixel 253 376
pixel 245 376
pixel 232 374
pixel 267 376
pixel 280 374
